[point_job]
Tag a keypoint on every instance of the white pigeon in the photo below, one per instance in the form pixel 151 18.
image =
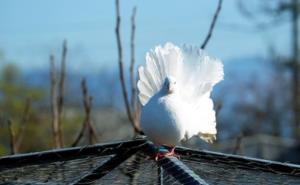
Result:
pixel 174 89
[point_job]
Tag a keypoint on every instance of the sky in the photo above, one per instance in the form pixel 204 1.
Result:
pixel 30 30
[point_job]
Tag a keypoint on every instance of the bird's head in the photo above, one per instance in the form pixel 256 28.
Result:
pixel 169 85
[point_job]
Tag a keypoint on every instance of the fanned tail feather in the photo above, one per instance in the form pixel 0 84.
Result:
pixel 196 74
pixel 160 63
pixel 201 73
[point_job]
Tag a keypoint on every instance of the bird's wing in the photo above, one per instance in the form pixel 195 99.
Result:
pixel 160 63
pixel 199 74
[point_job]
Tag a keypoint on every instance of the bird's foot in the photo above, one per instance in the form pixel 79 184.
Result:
pixel 164 153
pixel 171 153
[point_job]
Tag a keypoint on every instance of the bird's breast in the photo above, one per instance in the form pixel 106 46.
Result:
pixel 161 120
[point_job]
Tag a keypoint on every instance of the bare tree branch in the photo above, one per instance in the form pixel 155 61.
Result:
pixel 132 48
pixel 295 66
pixel 57 96
pixel 121 69
pixel 136 108
pixel 54 107
pixel 138 115
pixel 212 25
pixel 93 138
pixel 87 107
pixel 61 91
pixel 80 135
pixel 24 122
pixel 87 101
pixel 12 136
pixel 87 123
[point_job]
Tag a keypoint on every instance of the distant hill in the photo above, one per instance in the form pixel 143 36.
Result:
pixel 104 86
pixel 245 78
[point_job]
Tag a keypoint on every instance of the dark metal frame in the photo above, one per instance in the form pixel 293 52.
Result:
pixel 121 151
pixel 67 154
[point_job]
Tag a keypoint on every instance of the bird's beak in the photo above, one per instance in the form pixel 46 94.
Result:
pixel 170 88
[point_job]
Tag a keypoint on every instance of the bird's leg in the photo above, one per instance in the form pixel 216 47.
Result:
pixel 162 152
pixel 165 153
pixel 172 153
pixel 158 154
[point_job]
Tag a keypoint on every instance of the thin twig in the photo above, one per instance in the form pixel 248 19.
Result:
pixel 134 103
pixel 12 136
pixel 92 130
pixel 83 128
pixel 121 68
pixel 138 114
pixel 54 109
pixel 24 122
pixel 87 123
pixel 132 48
pixel 61 91
pixel 212 25
pixel 87 102
pixel 78 138
pixel 93 133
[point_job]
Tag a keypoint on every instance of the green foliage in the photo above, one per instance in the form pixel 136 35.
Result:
pixel 38 134
pixel 13 91
pixel 13 96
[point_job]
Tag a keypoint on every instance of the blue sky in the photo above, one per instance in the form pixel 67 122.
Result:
pixel 30 30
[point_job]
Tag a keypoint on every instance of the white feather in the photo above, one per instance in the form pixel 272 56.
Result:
pixel 200 74
pixel 160 63
pixel 190 108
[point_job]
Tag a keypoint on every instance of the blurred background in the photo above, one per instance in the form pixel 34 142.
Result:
pixel 48 47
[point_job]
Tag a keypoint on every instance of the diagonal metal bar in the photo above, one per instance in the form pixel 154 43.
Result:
pixel 107 167
pixel 180 171
pixel 160 176
pixel 67 154
pixel 242 162
pixel 175 168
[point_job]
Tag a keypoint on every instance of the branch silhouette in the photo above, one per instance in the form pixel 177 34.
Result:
pixel 87 123
pixel 121 70
pixel 212 25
